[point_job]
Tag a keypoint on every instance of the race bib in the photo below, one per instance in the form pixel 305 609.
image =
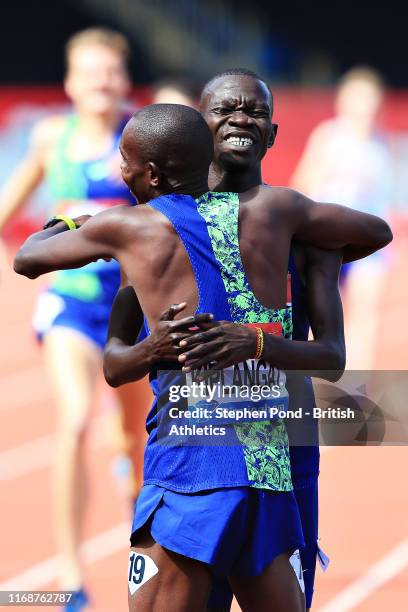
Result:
pixel 248 391
pixel 141 568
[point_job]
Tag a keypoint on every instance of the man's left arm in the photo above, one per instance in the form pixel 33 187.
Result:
pixel 332 226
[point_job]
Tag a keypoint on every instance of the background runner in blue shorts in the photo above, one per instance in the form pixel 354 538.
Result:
pixel 77 154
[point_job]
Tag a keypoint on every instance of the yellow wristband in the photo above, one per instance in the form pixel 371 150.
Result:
pixel 70 222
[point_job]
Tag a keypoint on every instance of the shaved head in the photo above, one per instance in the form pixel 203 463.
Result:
pixel 173 136
pixel 166 148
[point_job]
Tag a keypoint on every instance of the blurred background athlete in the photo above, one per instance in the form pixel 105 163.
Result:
pixel 78 155
pixel 347 159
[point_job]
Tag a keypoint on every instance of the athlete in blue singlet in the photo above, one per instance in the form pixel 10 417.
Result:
pixel 170 249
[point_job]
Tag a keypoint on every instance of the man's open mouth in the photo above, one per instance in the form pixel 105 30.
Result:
pixel 239 141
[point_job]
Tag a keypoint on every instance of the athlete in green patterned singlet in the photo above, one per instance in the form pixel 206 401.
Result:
pixel 79 156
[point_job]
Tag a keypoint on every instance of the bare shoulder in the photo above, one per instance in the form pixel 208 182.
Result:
pixel 275 198
pixel 285 196
pixel 110 225
pixel 122 224
pixel 141 216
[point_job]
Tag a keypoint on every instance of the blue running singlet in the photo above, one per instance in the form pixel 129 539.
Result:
pixel 255 453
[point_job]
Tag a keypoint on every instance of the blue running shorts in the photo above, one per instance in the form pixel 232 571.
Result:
pixel 237 531
pixel 55 310
pixel 307 500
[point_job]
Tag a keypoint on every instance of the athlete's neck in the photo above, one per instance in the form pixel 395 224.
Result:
pixel 194 188
pixel 195 184
pixel 220 179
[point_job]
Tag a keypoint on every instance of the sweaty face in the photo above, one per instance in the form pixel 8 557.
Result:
pixel 238 112
pixel 96 81
pixel 134 170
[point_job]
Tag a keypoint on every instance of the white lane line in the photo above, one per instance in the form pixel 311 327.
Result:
pixel 99 547
pixel 379 574
pixel 37 454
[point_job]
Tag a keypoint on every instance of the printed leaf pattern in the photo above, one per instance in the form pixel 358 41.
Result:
pixel 265 444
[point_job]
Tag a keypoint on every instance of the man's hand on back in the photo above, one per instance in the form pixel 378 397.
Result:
pixel 165 338
pixel 222 342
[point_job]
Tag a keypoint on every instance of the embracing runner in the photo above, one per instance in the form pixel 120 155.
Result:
pixel 236 490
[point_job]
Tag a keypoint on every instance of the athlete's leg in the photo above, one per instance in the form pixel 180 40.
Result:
pixel 276 588
pixel 163 580
pixel 73 362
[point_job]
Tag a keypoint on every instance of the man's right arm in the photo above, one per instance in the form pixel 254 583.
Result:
pixel 125 360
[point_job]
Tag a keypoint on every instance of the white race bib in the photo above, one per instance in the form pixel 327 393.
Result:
pixel 249 391
pixel 141 568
